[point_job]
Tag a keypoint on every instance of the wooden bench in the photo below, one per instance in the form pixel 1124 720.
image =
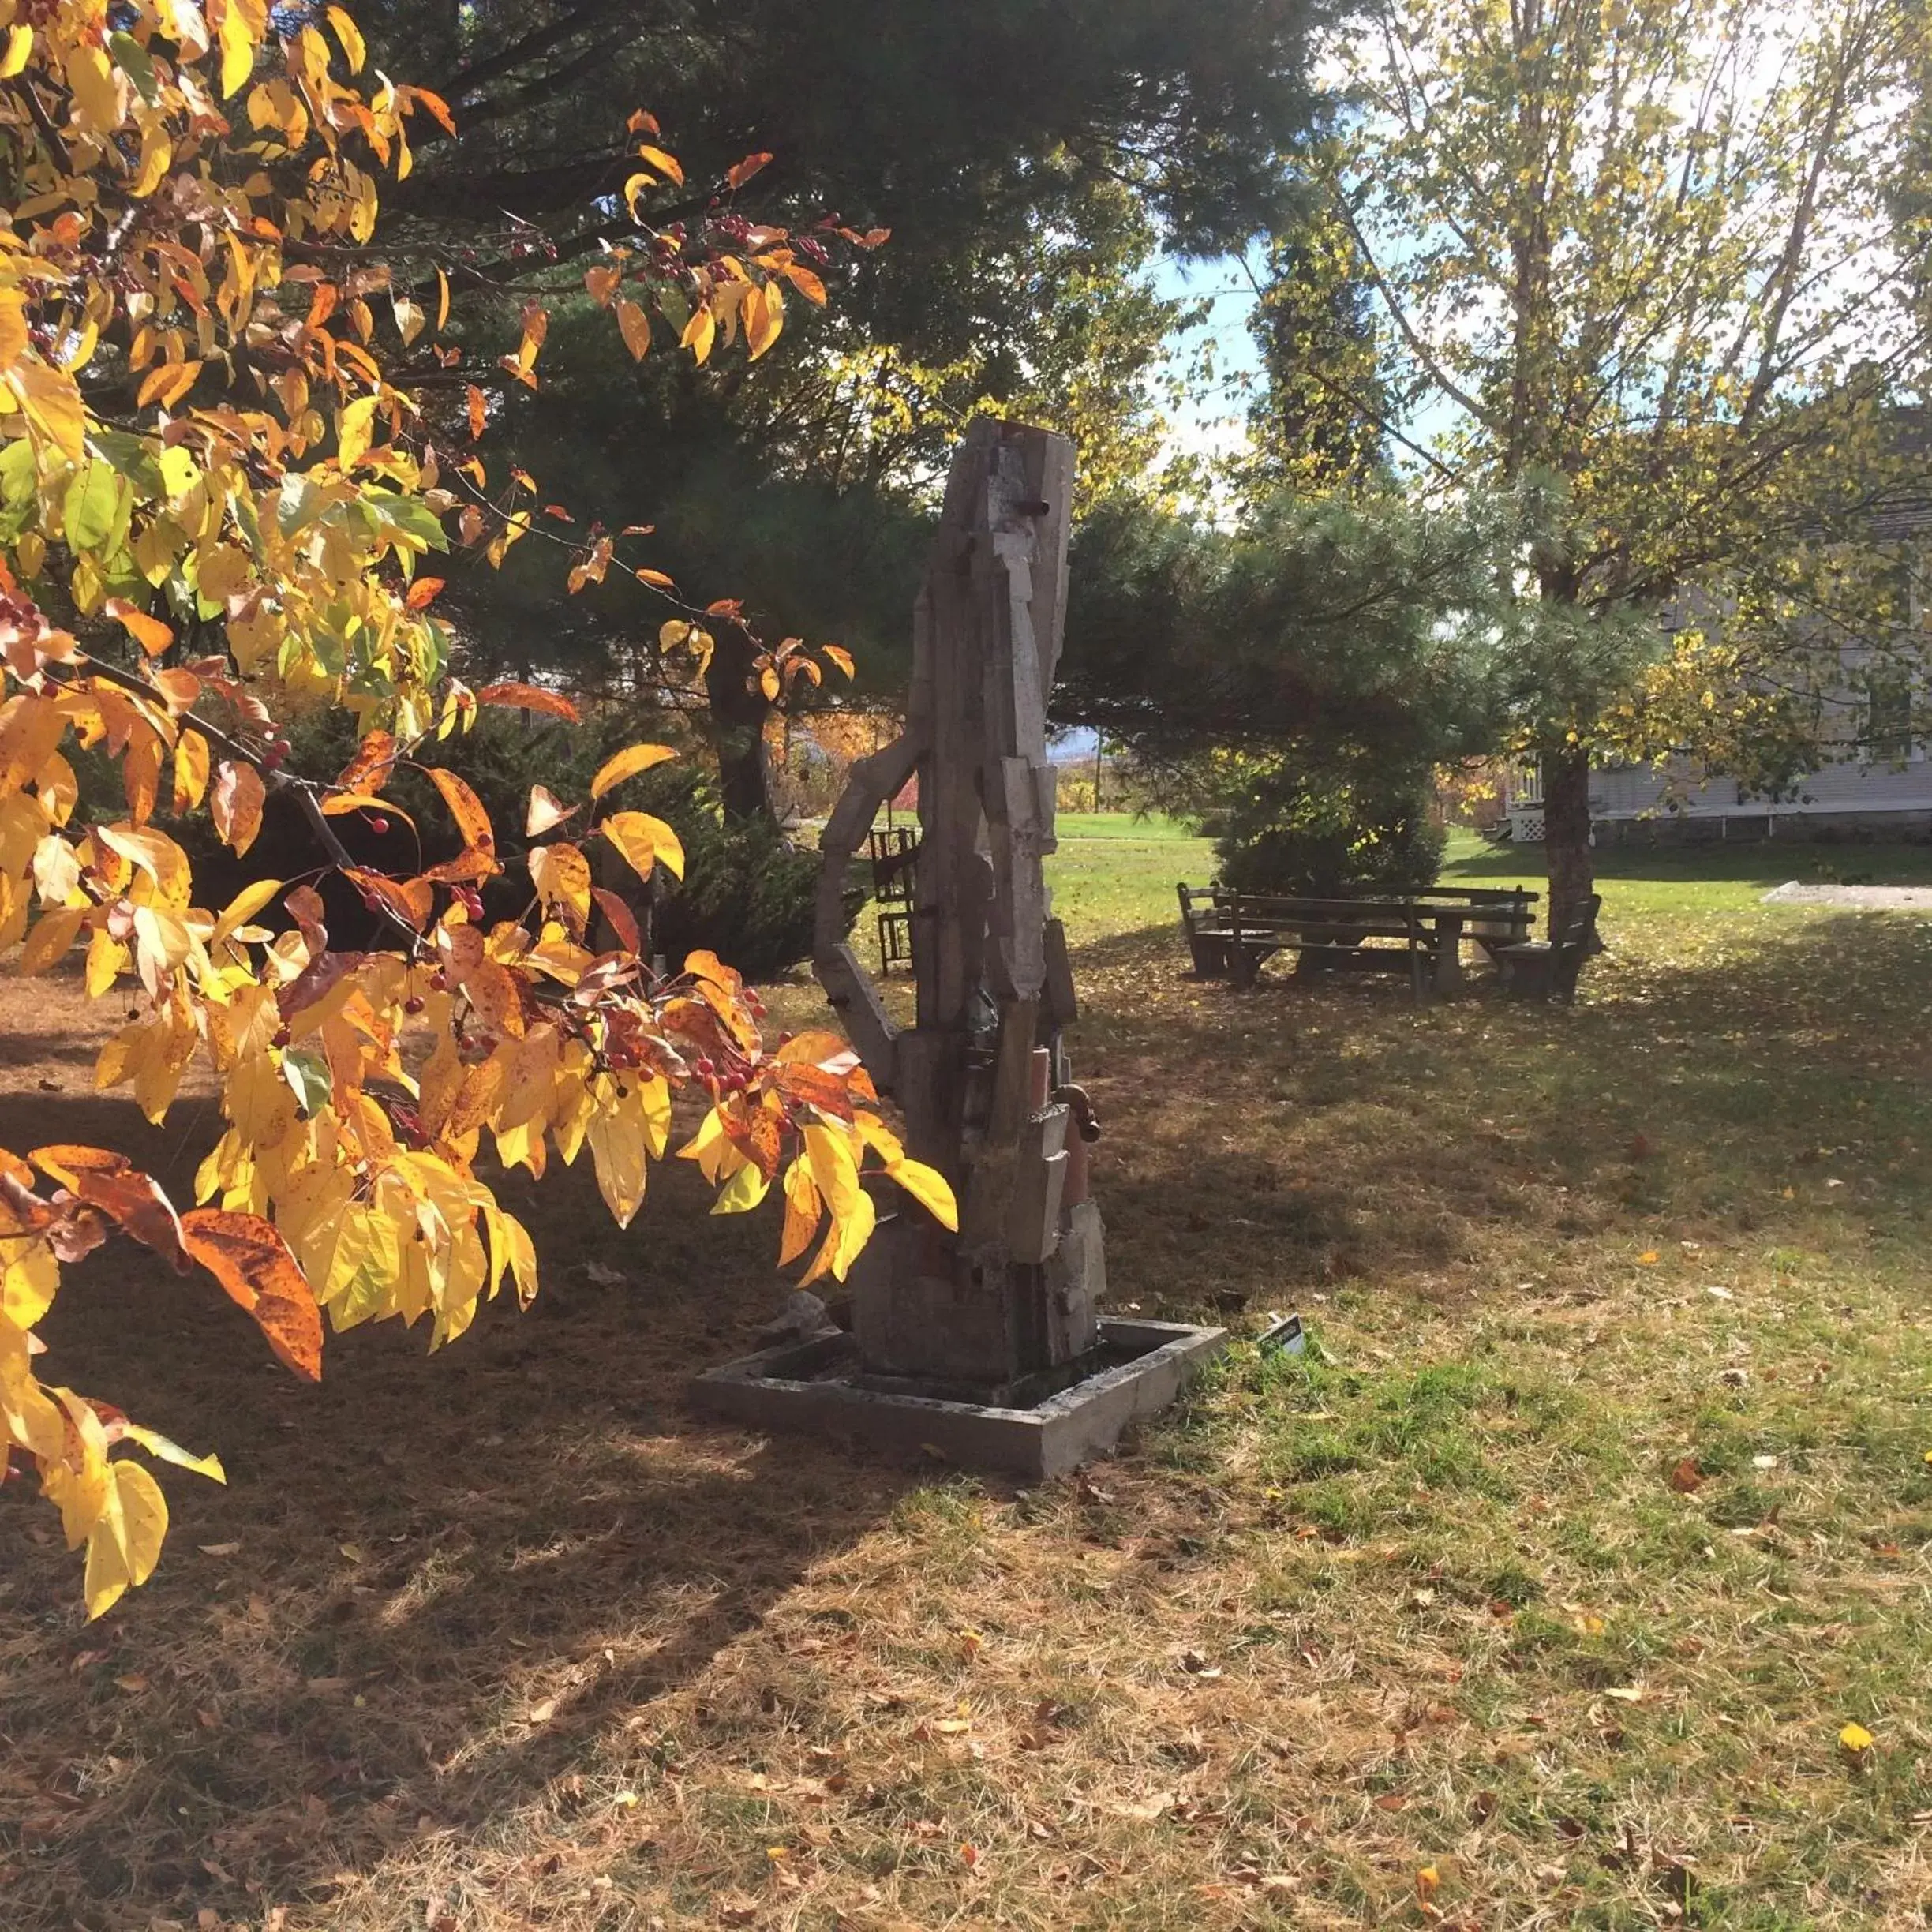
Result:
pixel 1229 934
pixel 1541 968
pixel 1232 934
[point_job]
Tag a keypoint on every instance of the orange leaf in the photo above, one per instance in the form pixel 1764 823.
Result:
pixel 423 592
pixel 601 282
pixel 463 869
pixel 250 1259
pixel 166 385
pixel 805 282
pixel 841 656
pixel 634 325
pixel 528 698
pixel 437 106
pixel 112 1183
pixel 410 900
pixel 472 821
pixel 623 921
pixel 369 769
pixel 479 410
pixel 236 804
pixel 179 689
pixel 153 636
pixel 737 175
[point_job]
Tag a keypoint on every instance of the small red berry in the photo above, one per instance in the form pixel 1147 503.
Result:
pixel 413 1004
pixel 379 826
pixel 281 1038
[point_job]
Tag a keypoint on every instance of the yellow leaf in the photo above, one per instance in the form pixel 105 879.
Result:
pixel 931 1189
pixel 742 1191
pixel 626 764
pixel 699 333
pixel 664 163
pixel 764 316
pixel 144 1519
pixel 97 94
pixel 166 1451
pixel 854 1232
pixel 52 400
pixel 351 36
pixel 191 771
pixel 645 841
pixel 28 1285
pixel 833 1170
pixel 409 319
pixel 616 1137
pixel 238 50
pixel 1647 1258
pixel 1855 1739
pixel 19 45
pixel 354 430
pixel 443 299
pixel 562 875
pixel 49 941
pixel 802 1210
pixel 13 336
pixel 243 907
pixel 157 151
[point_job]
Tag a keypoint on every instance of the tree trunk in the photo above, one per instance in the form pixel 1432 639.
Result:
pixel 1566 830
pixel 739 709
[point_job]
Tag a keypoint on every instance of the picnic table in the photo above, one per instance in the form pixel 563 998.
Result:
pixel 1232 933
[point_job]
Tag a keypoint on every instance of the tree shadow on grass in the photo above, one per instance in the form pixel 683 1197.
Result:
pixel 1299 1134
pixel 434 1591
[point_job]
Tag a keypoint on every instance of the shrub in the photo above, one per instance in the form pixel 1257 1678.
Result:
pixel 1280 827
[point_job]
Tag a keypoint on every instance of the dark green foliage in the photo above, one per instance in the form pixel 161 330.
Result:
pixel 746 894
pixel 1030 158
pixel 1344 629
pixel 1281 827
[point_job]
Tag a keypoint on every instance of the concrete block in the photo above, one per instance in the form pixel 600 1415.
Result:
pixel 812 1387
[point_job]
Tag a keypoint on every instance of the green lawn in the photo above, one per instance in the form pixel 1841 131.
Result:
pixel 1538 1594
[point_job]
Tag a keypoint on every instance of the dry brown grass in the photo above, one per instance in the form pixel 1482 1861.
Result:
pixel 506 1640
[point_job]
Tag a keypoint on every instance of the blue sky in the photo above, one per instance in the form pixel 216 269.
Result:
pixel 1214 423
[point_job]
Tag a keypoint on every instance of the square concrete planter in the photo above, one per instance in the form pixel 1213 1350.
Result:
pixel 817 1386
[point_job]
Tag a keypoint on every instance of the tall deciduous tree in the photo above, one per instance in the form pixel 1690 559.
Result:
pixel 1629 268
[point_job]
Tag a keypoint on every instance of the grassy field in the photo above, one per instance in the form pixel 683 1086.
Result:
pixel 1539 1594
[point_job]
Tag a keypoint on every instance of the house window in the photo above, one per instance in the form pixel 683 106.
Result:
pixel 1887 718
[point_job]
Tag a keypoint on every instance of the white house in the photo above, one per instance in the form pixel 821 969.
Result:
pixel 1878 784
pixel 1850 797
